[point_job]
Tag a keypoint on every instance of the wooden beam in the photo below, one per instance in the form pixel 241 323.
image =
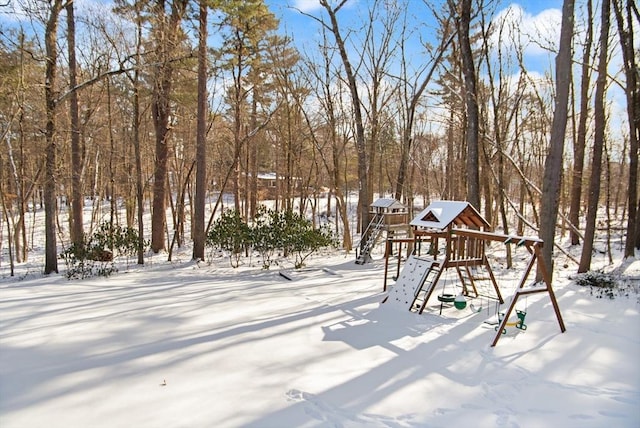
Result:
pixel 491 236
pixel 547 279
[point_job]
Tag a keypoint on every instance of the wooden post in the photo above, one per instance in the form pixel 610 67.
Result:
pixel 485 261
pixel 547 280
pixel 387 251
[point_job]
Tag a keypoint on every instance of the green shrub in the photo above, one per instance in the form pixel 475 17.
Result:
pixel 267 234
pixel 95 255
pixel 122 241
pixel 301 239
pixel 86 259
pixel 230 233
pixel 272 231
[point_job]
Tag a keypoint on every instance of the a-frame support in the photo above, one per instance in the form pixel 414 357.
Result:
pixel 534 247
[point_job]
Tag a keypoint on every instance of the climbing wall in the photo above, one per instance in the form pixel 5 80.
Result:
pixel 412 276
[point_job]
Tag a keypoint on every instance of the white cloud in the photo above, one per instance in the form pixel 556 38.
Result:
pixel 307 5
pixel 539 34
pixel 314 5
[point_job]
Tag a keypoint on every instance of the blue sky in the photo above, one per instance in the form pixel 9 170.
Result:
pixel 537 20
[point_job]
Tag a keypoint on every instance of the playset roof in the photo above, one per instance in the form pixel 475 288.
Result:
pixel 388 203
pixel 440 214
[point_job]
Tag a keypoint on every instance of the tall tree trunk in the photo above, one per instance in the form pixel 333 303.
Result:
pixel 553 164
pixel 237 127
pixel 449 184
pixel 579 147
pixel 166 43
pixel 633 114
pixel 77 229
pixel 113 206
pixel 136 138
pixel 20 231
pixel 199 237
pixel 49 185
pixel 598 141
pixel 471 101
pixel 253 161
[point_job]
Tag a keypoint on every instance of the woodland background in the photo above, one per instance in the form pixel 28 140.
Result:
pixel 164 107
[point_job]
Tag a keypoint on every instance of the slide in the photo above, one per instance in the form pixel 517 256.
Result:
pixel 412 276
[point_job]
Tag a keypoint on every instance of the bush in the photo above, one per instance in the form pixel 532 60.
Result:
pixel 230 233
pixel 603 284
pixel 85 259
pixel 123 241
pixel 271 232
pixel 301 239
pixel 94 256
pixel 267 234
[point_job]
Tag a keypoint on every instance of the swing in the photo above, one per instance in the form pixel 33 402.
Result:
pixel 445 297
pixel 519 324
pixel 459 301
pixel 474 308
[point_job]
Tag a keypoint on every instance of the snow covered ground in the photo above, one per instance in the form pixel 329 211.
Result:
pixel 204 345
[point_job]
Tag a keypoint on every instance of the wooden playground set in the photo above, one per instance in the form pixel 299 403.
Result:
pixel 453 235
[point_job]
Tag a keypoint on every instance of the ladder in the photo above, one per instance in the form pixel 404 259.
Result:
pixel 372 232
pixel 467 278
pixel 426 287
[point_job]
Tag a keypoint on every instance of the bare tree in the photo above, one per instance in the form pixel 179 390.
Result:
pixel 581 134
pixel 330 145
pixel 379 50
pixel 598 142
pixel 364 197
pixel 412 92
pixel 166 36
pixel 23 165
pixel 201 135
pixel 135 14
pixel 632 91
pixel 135 80
pixel 49 192
pixel 77 205
pixel 463 21
pixel 503 105
pixel 553 164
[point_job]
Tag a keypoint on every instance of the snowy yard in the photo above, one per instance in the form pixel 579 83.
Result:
pixel 182 345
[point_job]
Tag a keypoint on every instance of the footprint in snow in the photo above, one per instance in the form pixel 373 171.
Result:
pixel 338 418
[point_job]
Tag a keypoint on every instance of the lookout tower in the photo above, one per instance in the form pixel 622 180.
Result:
pixel 389 216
